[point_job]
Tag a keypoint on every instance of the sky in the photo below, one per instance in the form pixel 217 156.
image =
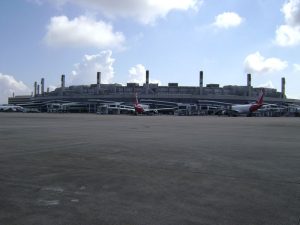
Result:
pixel 173 39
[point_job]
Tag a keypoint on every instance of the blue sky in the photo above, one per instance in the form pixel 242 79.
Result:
pixel 174 39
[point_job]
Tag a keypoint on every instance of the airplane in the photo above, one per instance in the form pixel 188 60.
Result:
pixel 145 109
pixel 247 109
pixel 11 108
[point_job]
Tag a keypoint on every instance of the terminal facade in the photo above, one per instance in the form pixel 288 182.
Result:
pixel 88 98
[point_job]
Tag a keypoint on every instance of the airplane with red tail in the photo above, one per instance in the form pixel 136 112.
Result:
pixel 247 109
pixel 143 109
pixel 146 109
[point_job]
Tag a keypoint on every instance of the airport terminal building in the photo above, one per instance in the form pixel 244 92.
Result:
pixel 88 98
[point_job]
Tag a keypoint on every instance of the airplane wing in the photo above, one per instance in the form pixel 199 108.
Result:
pixel 163 109
pixel 228 112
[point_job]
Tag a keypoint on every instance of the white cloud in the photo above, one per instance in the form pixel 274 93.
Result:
pixel 137 74
pixel 268 84
pixel 227 20
pixel 145 11
pixel 256 63
pixel 291 11
pixel 9 85
pixel 289 33
pixel 86 71
pixel 82 32
pixel 297 67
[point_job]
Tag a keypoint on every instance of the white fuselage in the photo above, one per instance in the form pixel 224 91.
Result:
pixel 241 108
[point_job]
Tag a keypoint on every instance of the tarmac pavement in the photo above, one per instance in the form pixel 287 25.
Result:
pixel 86 169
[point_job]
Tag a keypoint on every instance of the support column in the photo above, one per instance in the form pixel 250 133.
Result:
pixel 147 81
pixel 147 76
pixel 201 82
pixel 283 87
pixel 63 84
pixel 42 86
pixel 249 84
pixel 34 89
pixel 98 82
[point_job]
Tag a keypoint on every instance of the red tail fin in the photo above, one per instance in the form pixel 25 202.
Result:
pixel 261 97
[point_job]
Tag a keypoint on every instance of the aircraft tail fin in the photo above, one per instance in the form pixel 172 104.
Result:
pixel 261 97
